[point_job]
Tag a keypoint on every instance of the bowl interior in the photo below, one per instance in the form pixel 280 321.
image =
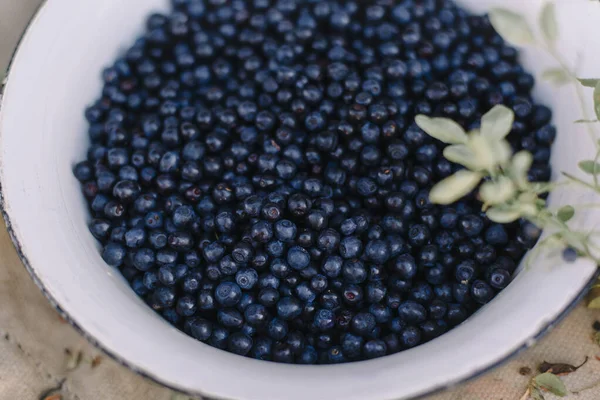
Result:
pixel 55 74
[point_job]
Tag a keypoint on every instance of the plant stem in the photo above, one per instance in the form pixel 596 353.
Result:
pixel 578 91
pixel 581 182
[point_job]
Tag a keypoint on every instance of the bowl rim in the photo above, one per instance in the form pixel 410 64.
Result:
pixel 4 210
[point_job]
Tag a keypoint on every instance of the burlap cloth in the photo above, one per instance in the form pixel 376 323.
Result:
pixel 39 351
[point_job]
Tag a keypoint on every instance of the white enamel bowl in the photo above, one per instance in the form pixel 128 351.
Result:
pixel 55 74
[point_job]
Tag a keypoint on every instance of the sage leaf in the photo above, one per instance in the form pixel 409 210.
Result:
pixel 511 26
pixel 502 216
pixel 482 148
pixel 589 167
pixel 565 213
pixel 442 129
pixel 497 192
pixel 454 187
pixel 460 154
pixel 528 209
pixel 520 164
pixel 591 83
pixel 551 383
pixel 597 100
pixel 556 76
pixel 497 123
pixel 548 22
pixel 502 151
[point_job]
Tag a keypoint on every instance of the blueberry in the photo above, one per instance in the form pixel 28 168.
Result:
pixel 213 252
pixel 262 349
pixel 199 328
pixel 412 312
pixel 324 320
pixel 256 315
pixel 350 247
pixel 277 329
pixel 246 278
pixel 308 356
pixel 496 235
pixel 163 297
pixel 262 231
pixel 228 294
pixel 363 323
pixel 499 278
pixel 374 348
pixel 288 308
pixel 230 318
pixel 328 240
pixel 239 343
pixel 481 292
pixel 466 271
pixel 298 258
pixel 410 337
pixel 405 266
pixel 354 271
pixel 332 266
pixel 569 254
pixel 418 235
pixel 268 296
pixel 377 251
pixel 144 259
pixel 352 345
pixel 114 254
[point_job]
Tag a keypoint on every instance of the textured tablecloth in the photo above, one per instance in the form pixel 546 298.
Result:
pixel 39 352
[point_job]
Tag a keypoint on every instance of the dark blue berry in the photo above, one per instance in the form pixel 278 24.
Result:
pixel 228 294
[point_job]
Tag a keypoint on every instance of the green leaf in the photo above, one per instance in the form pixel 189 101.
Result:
pixel 591 83
pixel 565 213
pixel 542 187
pixel 556 76
pixel 460 154
pixel 497 192
pixel 443 129
pixel 503 216
pixel 520 164
pixel 497 123
pixel 179 396
pixel 597 100
pixel 595 304
pixel 454 187
pixel 502 151
pixel 528 209
pixel 511 26
pixel 589 167
pixel 551 383
pixel 482 148
pixel 548 22
pixel 587 121
pixel 536 394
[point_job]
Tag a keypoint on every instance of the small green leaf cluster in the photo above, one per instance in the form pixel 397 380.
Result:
pixel 498 177
pixel 546 382
pixel 505 191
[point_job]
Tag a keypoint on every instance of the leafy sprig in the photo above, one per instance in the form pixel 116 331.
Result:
pixel 498 177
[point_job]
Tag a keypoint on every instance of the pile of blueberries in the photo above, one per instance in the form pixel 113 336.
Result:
pixel 256 175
